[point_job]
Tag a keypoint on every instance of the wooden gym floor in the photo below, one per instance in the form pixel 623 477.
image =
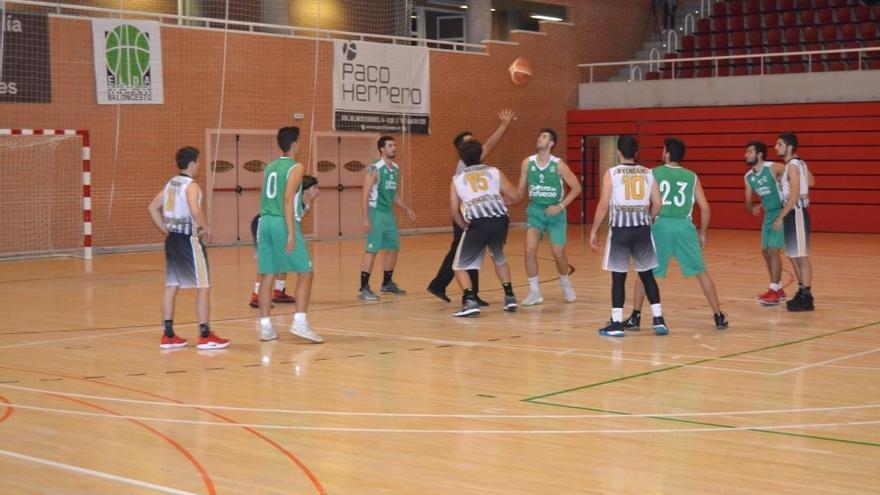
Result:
pixel 405 399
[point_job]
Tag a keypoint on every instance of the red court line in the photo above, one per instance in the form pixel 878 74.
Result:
pixel 9 409
pixel 209 484
pixel 296 461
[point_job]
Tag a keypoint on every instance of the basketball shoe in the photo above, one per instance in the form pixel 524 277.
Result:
pixel 172 342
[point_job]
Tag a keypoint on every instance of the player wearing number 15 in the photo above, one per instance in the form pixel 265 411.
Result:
pixel 281 246
pixel 674 232
pixel 631 198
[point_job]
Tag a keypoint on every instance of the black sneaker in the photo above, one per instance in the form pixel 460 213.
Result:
pixel 509 303
pixel 481 302
pixel 802 303
pixel 613 329
pixel 632 323
pixel 468 308
pixel 721 321
pixel 438 293
pixel 660 327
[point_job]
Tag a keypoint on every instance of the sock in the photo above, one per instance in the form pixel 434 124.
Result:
pixel 617 314
pixel 256 288
pixel 468 294
pixel 656 311
pixel 775 287
pixel 169 327
pixel 299 317
pixel 563 280
pixel 508 289
pixel 719 313
pixel 266 322
pixel 636 313
pixel 386 276
pixel 204 330
pixel 533 284
pixel 806 290
pixel 365 280
pixel 280 284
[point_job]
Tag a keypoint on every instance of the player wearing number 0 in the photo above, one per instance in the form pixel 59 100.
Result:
pixel 544 175
pixel 630 198
pixel 177 211
pixel 674 231
pixel 281 246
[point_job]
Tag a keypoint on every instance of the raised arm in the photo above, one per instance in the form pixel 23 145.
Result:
pixel 506 116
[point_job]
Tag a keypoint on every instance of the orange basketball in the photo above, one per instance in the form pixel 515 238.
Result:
pixel 520 71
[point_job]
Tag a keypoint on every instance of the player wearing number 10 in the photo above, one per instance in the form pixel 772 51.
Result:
pixel 674 232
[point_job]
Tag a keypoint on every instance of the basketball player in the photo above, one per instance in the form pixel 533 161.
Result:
pixel 762 179
pixel 279 294
pixel 631 198
pixel 281 247
pixel 477 200
pixel 543 174
pixel 380 224
pixel 177 211
pixel 674 231
pixel 796 183
pixel 444 276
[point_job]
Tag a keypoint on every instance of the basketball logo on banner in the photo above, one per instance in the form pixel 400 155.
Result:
pixel 128 61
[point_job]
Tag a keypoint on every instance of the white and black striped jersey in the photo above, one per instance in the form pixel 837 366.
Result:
pixel 630 196
pixel 804 197
pixel 479 188
pixel 176 214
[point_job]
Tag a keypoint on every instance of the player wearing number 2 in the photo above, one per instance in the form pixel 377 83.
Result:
pixel 674 231
pixel 631 198
pixel 544 175
pixel 281 246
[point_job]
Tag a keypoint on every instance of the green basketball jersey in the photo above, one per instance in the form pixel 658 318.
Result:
pixel 545 184
pixel 677 189
pixel 764 185
pixel 275 179
pixel 385 188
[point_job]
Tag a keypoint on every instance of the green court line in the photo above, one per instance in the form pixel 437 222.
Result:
pixel 718 425
pixel 700 361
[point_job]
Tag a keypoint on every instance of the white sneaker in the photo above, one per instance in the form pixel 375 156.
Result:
pixel 568 292
pixel 304 331
pixel 267 334
pixel 532 299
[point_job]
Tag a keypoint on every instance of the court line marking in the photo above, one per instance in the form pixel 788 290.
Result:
pixel 432 415
pixel 820 363
pixel 701 361
pixel 757 429
pixel 711 428
pixel 93 473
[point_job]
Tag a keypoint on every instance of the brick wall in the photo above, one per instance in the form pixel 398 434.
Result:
pixel 269 78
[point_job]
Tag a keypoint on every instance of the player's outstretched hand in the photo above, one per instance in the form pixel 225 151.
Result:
pixel 507 115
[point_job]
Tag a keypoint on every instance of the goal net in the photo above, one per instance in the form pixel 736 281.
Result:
pixel 43 197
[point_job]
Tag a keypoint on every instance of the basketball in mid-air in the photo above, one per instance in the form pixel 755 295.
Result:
pixel 520 71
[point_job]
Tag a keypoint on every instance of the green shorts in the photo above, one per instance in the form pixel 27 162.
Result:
pixel 677 237
pixel 557 225
pixel 771 239
pixel 383 232
pixel 272 246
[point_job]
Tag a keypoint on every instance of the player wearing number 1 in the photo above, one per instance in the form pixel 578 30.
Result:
pixel 281 246
pixel 674 231
pixel 631 198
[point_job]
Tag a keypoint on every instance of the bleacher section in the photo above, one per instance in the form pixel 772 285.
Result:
pixel 751 27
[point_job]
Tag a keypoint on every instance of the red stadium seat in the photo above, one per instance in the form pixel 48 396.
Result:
pixel 848 32
pixel 688 42
pixel 771 20
pixel 754 6
pixel 786 4
pixel 719 24
pixel 838 3
pixel 843 15
pixel 756 38
pixel 753 21
pixel 863 13
pixel 774 37
pixel 719 9
pixel 734 8
pixel 833 57
pixel 789 19
pixel 704 41
pixel 719 40
pixel 826 16
pixel 736 23
pixel 811 35
pixel 820 4
pixel 836 66
pixel 792 36
pixel 797 68
pixel 704 25
pixel 738 39
pixel 868 30
pixel 829 33
pixel 851 57
pixel 652 76
pixel 808 17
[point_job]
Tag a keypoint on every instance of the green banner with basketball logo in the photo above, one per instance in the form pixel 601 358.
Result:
pixel 128 61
